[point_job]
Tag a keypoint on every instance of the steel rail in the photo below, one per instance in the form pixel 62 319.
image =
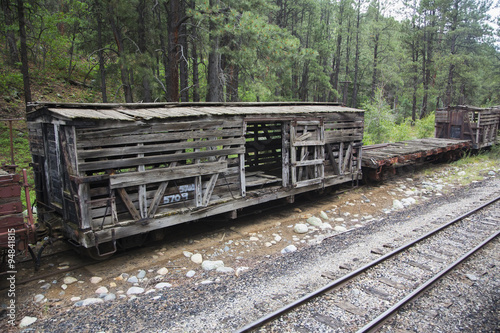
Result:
pixel 287 308
pixel 380 320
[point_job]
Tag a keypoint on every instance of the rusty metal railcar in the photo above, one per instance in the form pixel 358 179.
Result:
pixel 107 171
pixel 478 125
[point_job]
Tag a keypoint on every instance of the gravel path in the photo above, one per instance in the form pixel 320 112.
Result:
pixel 225 302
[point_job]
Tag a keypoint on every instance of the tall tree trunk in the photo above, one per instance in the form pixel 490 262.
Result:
pixel 194 59
pixel 100 53
pixel 338 51
pixel 453 44
pixel 354 100
pixel 12 50
pixel 163 53
pixel 375 52
pixel 303 94
pixel 375 67
pixel 214 92
pixel 24 52
pixel 172 70
pixel 184 66
pixel 145 70
pixel 124 71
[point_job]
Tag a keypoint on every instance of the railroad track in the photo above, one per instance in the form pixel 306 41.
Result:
pixel 364 299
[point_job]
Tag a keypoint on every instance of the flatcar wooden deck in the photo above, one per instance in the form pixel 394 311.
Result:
pixel 376 158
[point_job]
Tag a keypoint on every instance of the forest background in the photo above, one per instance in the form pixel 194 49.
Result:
pixel 399 61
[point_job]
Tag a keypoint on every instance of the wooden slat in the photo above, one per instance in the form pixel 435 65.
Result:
pixel 164 147
pixel 308 143
pixel 164 174
pixel 158 137
pixel 308 163
pixel 128 202
pixel 139 129
pixel 135 161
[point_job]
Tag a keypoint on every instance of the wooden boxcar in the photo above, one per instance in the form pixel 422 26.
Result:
pixel 107 171
pixel 478 125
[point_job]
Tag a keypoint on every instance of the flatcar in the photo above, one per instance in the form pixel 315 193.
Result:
pixel 105 173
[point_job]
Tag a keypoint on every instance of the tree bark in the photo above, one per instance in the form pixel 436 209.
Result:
pixel 354 101
pixel 214 92
pixel 124 71
pixel 141 24
pixel 10 36
pixel 100 53
pixel 24 52
pixel 172 70
pixel 194 57
pixel 453 44
pixel 184 66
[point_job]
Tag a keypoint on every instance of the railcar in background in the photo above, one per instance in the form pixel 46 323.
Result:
pixel 477 125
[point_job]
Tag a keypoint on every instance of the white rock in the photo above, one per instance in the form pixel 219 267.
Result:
pixel 207 282
pixel 289 248
pixel 210 265
pixel 461 173
pixel 27 321
pixel 162 285
pixel 325 226
pixel 190 274
pixel 109 297
pixel 162 271
pixel 339 219
pixel 187 254
pixel 89 301
pixel 135 290
pixel 315 221
pixel 472 277
pixel 141 274
pixel 254 239
pixel 277 238
pixel 197 258
pixel 101 290
pixel 240 270
pixel 301 228
pixel 95 279
pixel 323 215
pixel 75 299
pixel 396 204
pixel 339 228
pixel 38 298
pixel 268 244
pixel 225 270
pixel 133 279
pixel 69 280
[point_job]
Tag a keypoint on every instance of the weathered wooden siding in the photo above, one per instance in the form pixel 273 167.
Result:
pixel 149 169
pixel 134 168
pixel 478 125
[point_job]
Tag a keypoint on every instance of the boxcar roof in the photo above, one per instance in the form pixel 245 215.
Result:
pixel 151 111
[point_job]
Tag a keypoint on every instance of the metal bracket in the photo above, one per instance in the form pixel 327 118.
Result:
pixel 113 241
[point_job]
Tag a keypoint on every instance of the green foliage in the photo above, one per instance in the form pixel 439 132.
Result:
pixel 379 121
pixel 425 126
pixel 286 50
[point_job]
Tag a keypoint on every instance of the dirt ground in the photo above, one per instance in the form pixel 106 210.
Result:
pixel 244 242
